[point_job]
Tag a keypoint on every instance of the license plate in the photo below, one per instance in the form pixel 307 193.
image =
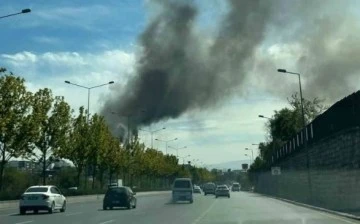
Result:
pixel 32 198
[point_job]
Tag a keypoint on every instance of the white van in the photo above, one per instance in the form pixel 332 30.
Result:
pixel 182 190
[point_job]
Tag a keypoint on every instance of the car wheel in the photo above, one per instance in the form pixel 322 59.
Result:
pixel 104 207
pixel 216 196
pixel 129 205
pixel 134 206
pixel 36 211
pixel 111 207
pixel 63 208
pixel 191 201
pixel 228 196
pixel 22 211
pixel 205 194
pixel 51 209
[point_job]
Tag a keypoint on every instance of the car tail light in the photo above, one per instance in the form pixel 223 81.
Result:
pixel 45 197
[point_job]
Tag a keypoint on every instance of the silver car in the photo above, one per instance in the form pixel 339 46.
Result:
pixel 222 191
pixel 48 198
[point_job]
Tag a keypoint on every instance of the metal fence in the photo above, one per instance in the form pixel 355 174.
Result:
pixel 342 115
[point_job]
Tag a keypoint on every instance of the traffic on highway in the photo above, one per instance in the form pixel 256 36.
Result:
pixel 180 111
pixel 242 207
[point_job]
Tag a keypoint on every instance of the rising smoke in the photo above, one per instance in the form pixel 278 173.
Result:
pixel 181 69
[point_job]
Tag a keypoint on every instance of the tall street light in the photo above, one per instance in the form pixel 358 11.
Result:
pixel 88 88
pixel 152 134
pixel 249 159
pixel 252 153
pixel 262 116
pixel 301 97
pixel 304 126
pixel 166 142
pixel 18 13
pixel 177 149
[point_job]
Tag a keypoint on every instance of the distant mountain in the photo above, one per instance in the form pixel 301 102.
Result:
pixel 233 165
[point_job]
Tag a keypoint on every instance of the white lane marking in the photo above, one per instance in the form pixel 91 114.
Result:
pixel 204 213
pixel 338 218
pixel 23 222
pixel 9 214
pixel 75 213
pixel 319 212
pixel 110 221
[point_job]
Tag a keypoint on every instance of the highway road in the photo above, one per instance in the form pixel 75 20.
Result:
pixel 242 208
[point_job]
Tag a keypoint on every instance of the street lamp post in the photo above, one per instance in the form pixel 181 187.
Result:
pixel 18 13
pixel 252 153
pixel 88 88
pixel 262 116
pixel 152 134
pixel 166 142
pixel 301 97
pixel 88 109
pixel 249 159
pixel 304 126
pixel 177 149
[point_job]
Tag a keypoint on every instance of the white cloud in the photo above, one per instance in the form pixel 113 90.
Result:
pixel 24 57
pixel 51 69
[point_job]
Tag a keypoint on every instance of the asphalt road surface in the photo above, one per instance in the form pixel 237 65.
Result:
pixel 242 208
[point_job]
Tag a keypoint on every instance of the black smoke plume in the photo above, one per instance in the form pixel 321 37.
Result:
pixel 181 69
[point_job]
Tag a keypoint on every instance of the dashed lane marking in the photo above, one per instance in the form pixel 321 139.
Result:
pixel 204 213
pixel 106 222
pixel 23 222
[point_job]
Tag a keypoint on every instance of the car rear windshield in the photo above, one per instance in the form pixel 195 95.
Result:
pixel 222 188
pixel 209 186
pixel 116 190
pixel 37 189
pixel 182 184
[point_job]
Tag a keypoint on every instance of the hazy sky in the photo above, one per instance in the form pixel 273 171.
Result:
pixel 98 41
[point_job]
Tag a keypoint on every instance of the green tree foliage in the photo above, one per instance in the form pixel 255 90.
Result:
pixel 42 127
pixel 76 143
pixel 285 124
pixel 16 127
pixel 98 139
pixel 52 126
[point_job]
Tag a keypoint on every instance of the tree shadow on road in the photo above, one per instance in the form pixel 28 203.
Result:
pixel 177 203
pixel 114 209
pixel 32 213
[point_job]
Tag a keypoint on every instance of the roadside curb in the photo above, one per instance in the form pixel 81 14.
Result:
pixel 343 214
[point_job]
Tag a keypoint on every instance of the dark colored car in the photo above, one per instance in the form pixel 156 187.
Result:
pixel 235 187
pixel 119 197
pixel 209 188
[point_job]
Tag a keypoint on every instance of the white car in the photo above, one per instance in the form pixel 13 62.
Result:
pixel 222 190
pixel 37 198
